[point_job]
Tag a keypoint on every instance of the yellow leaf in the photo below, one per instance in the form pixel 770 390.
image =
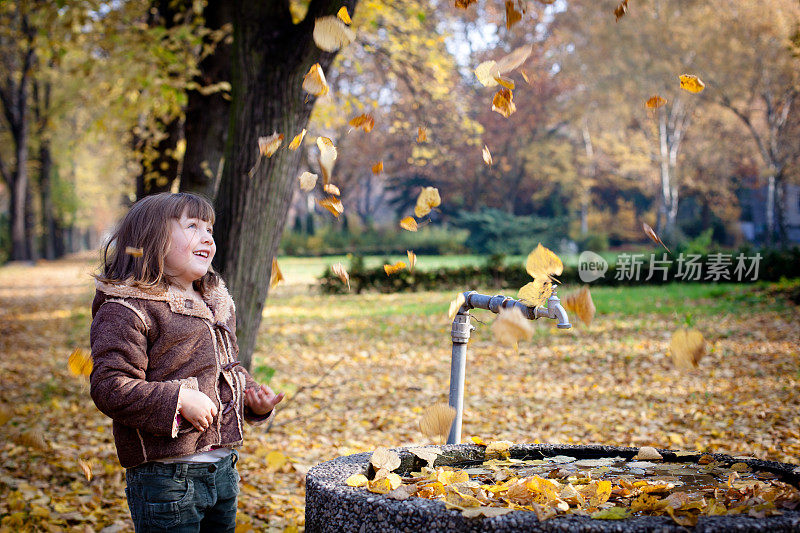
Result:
pixel 422 135
pixel 384 458
pixel 327 157
pixel 86 468
pixel 500 447
pixel 357 480
pixel 687 348
pixel 655 101
pixel 512 15
pixel 536 292
pixel 339 270
pixel 134 252
pixel 487 155
pixel 275 276
pixel 332 204
pixel 365 122
pixel 437 421
pixel 314 81
pixel 428 199
pixel 691 83
pixel 487 73
pixel 330 188
pixel 5 414
pixel 80 362
pixel 612 513
pixel 295 144
pixel 276 461
pixel 503 102
pixel 307 181
pixel 511 326
pixel 377 168
pixel 412 260
pixel 455 305
pixel 478 441
pixel 508 83
pixel 581 304
pixel 409 224
pixel 542 262
pixel 464 4
pixel 602 494
pixel 343 15
pixel 385 484
pixel 393 269
pixel 331 33
pixel 269 145
pixel 652 234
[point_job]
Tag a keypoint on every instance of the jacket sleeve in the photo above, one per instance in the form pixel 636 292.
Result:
pixel 249 416
pixel 117 382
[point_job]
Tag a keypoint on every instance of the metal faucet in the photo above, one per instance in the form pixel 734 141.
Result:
pixel 460 332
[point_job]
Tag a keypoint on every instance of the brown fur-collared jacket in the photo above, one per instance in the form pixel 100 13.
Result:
pixel 147 346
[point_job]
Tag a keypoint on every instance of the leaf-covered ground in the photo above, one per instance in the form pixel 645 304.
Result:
pixel 359 370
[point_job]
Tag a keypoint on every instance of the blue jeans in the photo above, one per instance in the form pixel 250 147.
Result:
pixel 184 497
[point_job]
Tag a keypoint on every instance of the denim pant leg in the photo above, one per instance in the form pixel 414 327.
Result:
pixel 162 497
pixel 221 517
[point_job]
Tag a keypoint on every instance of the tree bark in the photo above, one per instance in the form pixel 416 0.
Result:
pixel 271 55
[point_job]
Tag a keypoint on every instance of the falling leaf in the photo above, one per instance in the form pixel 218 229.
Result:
pixel 687 348
pixel 503 102
pixel 652 234
pixel 332 204
pixel 487 155
pixel 655 101
pixel 428 199
pixel 276 461
pixel 80 362
pixel 581 304
pixel 327 157
pixel 543 262
pixel 513 60
pixel 464 4
pixel 295 144
pixel 409 224
pixel 547 2
pixel 525 76
pixel 620 10
pixel 384 458
pixel 487 73
pixel 314 81
pixel 422 135
pixel 357 480
pixel 455 305
pixel 437 420
pixel 134 252
pixel 647 453
pixel 339 270
pixel 508 83
pixel 276 276
pixel 393 269
pixel 343 15
pixel 536 292
pixel 307 181
pixel 86 468
pixel 412 260
pixel 511 326
pixel 330 188
pixel 377 168
pixel 691 83
pixel 33 439
pixel 269 145
pixel 512 15
pixel 365 122
pixel 331 33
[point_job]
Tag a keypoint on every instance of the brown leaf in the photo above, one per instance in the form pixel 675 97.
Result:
pixel 503 102
pixel 512 15
pixel 652 234
pixel 511 326
pixel 365 122
pixel 581 304
pixel 464 4
pixel 86 468
pixel 621 9
pixel 332 204
pixel 269 145
pixel 330 188
pixel 422 135
pixel 339 270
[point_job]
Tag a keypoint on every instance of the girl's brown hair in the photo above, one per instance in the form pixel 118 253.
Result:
pixel 135 252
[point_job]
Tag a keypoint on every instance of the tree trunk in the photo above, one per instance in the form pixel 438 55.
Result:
pixel 207 115
pixel 159 166
pixel 46 197
pixel 266 97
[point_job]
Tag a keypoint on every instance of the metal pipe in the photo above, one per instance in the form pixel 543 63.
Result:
pixel 460 332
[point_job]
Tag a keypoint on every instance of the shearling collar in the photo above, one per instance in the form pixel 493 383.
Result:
pixel 216 306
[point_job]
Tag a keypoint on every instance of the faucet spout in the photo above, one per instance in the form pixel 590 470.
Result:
pixel 560 315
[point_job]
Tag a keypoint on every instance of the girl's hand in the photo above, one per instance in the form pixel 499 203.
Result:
pixel 197 408
pixel 261 400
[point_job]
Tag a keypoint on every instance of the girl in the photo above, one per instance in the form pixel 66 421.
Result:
pixel 165 369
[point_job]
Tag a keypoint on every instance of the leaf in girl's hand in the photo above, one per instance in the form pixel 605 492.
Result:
pixel 307 181
pixel 377 168
pixel 269 145
pixel 331 33
pixel 343 15
pixel 655 101
pixel 691 83
pixel 437 420
pixel 409 224
pixel 276 276
pixel 365 122
pixel 80 362
pixel 503 102
pixel 314 81
pixel 511 326
pixel 455 305
pixel 652 234
pixel 295 144
pixel 332 204
pixel 428 199
pixel 512 15
pixel 412 260
pixel 327 157
pixel 395 268
pixel 134 252
pixel 339 270
pixel 487 155
pixel 330 188
pixel 384 458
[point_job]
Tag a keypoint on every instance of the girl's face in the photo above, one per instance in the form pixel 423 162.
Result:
pixel 191 249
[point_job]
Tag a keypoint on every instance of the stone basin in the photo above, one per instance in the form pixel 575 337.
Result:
pixel 331 505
